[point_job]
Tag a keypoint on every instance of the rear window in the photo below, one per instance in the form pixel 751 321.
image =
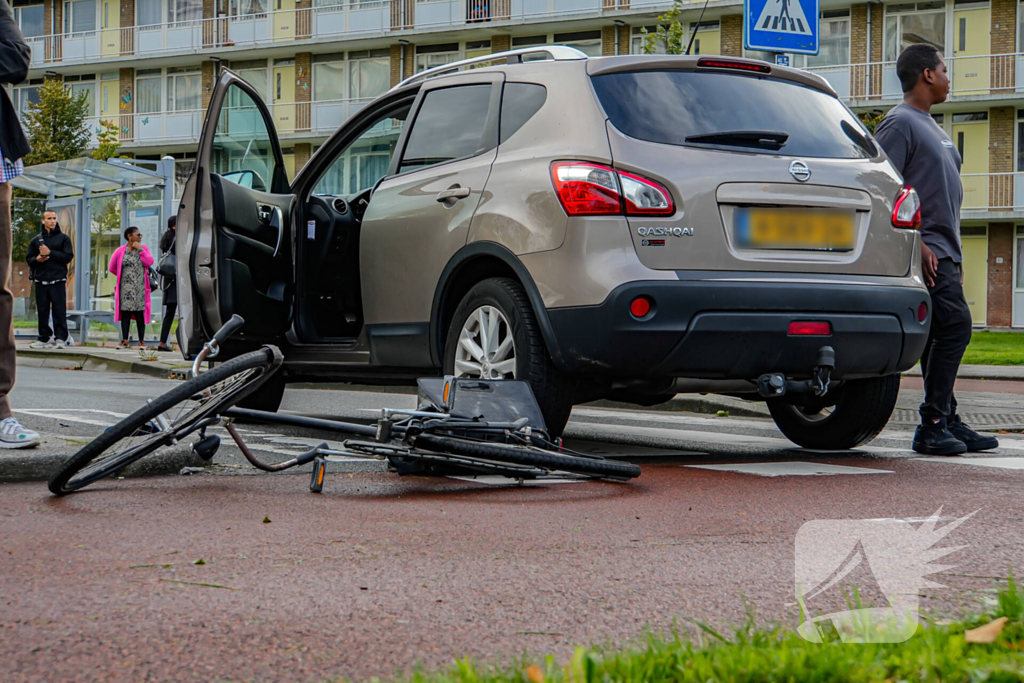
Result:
pixel 670 106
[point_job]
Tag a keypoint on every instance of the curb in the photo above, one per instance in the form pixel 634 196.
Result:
pixel 94 363
pixel 27 465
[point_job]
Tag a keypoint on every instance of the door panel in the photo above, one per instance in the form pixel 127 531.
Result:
pixel 708 42
pixel 971 140
pixel 284 99
pixel 976 277
pixel 971 30
pixel 419 216
pixel 284 21
pixel 234 224
pixel 110 20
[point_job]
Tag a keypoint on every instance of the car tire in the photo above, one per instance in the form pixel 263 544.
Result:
pixel 859 412
pixel 553 389
pixel 268 397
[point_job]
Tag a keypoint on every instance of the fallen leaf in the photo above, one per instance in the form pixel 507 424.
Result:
pixel 266 520
pixel 200 561
pixel 534 674
pixel 722 413
pixel 987 633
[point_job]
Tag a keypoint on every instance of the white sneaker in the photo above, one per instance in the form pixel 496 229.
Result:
pixel 40 345
pixel 61 343
pixel 13 435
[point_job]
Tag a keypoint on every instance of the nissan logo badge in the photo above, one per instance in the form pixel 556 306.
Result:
pixel 800 171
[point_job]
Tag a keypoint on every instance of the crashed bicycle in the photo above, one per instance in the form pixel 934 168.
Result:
pixel 460 426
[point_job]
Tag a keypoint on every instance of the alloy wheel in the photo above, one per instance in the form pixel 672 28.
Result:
pixel 486 348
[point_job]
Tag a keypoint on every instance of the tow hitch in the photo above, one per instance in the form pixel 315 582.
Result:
pixel 775 384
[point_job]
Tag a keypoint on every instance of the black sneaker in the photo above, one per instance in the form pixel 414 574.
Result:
pixel 932 438
pixel 973 440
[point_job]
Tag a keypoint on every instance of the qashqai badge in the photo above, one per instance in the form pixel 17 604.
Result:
pixel 664 232
pixel 800 171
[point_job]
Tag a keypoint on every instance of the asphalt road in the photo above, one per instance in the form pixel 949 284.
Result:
pixel 381 573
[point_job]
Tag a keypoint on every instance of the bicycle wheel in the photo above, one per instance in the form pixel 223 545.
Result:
pixel 172 416
pixel 528 455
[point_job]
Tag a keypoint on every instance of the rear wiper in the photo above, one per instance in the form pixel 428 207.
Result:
pixel 859 138
pixel 773 139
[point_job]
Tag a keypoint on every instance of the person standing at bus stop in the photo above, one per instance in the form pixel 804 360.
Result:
pixel 49 254
pixel 15 57
pixel 167 270
pixel 929 162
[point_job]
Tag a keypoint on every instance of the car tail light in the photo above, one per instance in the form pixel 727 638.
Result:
pixel 906 210
pixel 586 189
pixel 640 307
pixel 810 328
pixel 922 312
pixel 715 63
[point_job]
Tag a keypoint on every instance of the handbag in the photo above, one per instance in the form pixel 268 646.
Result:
pixel 168 265
pixel 153 280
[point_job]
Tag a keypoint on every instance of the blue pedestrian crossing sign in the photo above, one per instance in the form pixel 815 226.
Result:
pixel 782 26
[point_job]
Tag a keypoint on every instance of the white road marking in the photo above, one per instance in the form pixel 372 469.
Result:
pixel 67 417
pixel 1002 463
pixel 790 469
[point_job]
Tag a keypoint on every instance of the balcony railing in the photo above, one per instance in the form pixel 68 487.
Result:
pixel 993 192
pixel 346 19
pixel 307 119
pixel 970 78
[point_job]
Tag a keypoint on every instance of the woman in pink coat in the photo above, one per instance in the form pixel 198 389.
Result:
pixel 131 292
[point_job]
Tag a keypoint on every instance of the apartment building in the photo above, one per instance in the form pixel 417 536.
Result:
pixel 149 66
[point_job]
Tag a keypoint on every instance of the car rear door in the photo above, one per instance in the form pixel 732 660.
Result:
pixel 419 215
pixel 234 233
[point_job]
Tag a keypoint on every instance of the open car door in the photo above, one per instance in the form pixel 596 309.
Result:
pixel 234 242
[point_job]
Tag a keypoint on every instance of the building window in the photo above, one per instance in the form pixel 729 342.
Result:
pixel 253 72
pixel 80 16
pixel 585 41
pixel 148 91
pixel 834 32
pixel 907 24
pixel 183 89
pixel 329 77
pixel 184 10
pixel 25 95
pixel 369 73
pixel 1020 140
pixel 30 20
pixel 147 12
pixel 84 84
pixel 429 56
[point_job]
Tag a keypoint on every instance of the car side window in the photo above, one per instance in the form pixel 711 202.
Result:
pixel 519 102
pixel 242 151
pixel 450 125
pixel 365 160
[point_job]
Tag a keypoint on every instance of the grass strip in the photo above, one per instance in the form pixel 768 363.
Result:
pixel 995 348
pixel 938 652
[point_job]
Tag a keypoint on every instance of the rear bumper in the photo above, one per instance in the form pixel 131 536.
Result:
pixel 739 330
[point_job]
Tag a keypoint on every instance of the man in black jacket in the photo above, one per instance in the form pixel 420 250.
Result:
pixel 49 254
pixel 15 57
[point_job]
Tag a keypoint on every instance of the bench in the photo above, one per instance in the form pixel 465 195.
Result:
pixel 79 321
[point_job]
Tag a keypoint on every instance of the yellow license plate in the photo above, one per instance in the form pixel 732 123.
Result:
pixel 798 229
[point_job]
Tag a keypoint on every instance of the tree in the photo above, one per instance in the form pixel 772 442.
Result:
pixel 670 33
pixel 109 141
pixel 56 126
pixel 871 119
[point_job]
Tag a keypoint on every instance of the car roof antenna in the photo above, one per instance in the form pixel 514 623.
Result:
pixel 694 34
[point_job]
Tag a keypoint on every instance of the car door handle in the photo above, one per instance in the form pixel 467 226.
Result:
pixel 264 211
pixel 452 195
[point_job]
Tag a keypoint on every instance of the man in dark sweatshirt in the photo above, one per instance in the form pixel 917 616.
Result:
pixel 49 254
pixel 930 163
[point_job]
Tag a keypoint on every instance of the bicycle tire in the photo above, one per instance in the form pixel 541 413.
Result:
pixel 528 455
pixel 65 481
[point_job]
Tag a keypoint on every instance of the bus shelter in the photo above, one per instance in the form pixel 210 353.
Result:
pixel 95 201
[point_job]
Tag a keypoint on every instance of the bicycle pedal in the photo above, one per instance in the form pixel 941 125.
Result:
pixel 316 482
pixel 206 447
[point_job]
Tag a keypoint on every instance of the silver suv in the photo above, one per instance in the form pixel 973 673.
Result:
pixel 618 227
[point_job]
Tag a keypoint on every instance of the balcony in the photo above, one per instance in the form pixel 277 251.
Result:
pixel 359 19
pixel 291 119
pixel 971 78
pixel 993 196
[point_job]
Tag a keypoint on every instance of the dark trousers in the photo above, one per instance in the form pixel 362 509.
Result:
pixel 8 355
pixel 950 334
pixel 140 324
pixel 165 328
pixel 52 298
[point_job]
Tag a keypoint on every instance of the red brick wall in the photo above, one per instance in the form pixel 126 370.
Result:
pixel 1000 275
pixel 732 35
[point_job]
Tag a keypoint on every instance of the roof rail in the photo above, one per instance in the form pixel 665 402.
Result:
pixel 556 53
